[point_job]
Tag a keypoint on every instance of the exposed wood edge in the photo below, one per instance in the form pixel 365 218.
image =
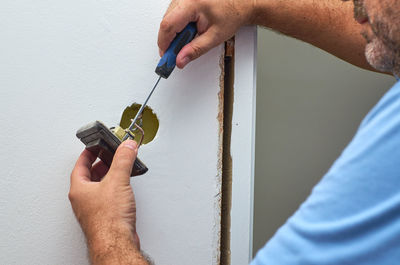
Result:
pixel 226 189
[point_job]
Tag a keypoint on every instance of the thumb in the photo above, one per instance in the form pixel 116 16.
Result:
pixel 124 157
pixel 196 48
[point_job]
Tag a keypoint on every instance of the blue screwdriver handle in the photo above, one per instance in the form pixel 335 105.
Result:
pixel 168 61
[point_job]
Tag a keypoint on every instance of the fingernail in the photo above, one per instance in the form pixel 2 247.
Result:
pixel 130 144
pixel 185 61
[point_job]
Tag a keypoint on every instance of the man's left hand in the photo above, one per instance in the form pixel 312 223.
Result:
pixel 104 203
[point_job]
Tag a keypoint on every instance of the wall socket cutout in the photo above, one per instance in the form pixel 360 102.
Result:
pixel 149 119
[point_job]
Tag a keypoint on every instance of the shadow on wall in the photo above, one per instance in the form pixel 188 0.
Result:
pixel 309 105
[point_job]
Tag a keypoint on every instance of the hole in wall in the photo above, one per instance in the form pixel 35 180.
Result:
pixel 149 124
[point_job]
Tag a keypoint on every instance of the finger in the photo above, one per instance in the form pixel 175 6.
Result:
pixel 81 171
pixel 99 170
pixel 171 6
pixel 174 22
pixel 202 24
pixel 123 160
pixel 199 46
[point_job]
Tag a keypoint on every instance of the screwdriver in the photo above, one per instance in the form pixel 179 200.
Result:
pixel 167 64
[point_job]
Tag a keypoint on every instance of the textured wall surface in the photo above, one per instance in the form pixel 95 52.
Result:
pixel 67 63
pixel 309 105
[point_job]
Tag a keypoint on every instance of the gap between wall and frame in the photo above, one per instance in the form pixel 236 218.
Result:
pixel 226 185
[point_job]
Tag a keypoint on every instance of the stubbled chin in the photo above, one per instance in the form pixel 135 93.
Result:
pixel 380 57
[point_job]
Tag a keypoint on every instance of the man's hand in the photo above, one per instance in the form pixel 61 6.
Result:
pixel 327 24
pixel 104 205
pixel 217 21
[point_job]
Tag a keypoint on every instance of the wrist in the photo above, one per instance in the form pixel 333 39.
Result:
pixel 108 244
pixel 260 11
pixel 104 237
pixel 243 10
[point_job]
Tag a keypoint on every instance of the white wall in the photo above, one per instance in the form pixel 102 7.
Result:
pixel 67 63
pixel 242 145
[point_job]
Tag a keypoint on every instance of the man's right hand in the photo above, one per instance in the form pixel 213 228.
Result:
pixel 217 21
pixel 327 24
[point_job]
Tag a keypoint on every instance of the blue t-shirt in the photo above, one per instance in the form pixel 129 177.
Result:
pixel 353 214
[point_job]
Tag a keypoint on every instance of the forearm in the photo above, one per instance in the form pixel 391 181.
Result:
pixel 115 246
pixel 327 24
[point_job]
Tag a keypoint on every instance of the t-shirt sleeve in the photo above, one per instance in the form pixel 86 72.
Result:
pixel 353 214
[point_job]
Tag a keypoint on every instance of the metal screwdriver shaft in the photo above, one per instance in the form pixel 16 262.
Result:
pixel 140 111
pixel 167 65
